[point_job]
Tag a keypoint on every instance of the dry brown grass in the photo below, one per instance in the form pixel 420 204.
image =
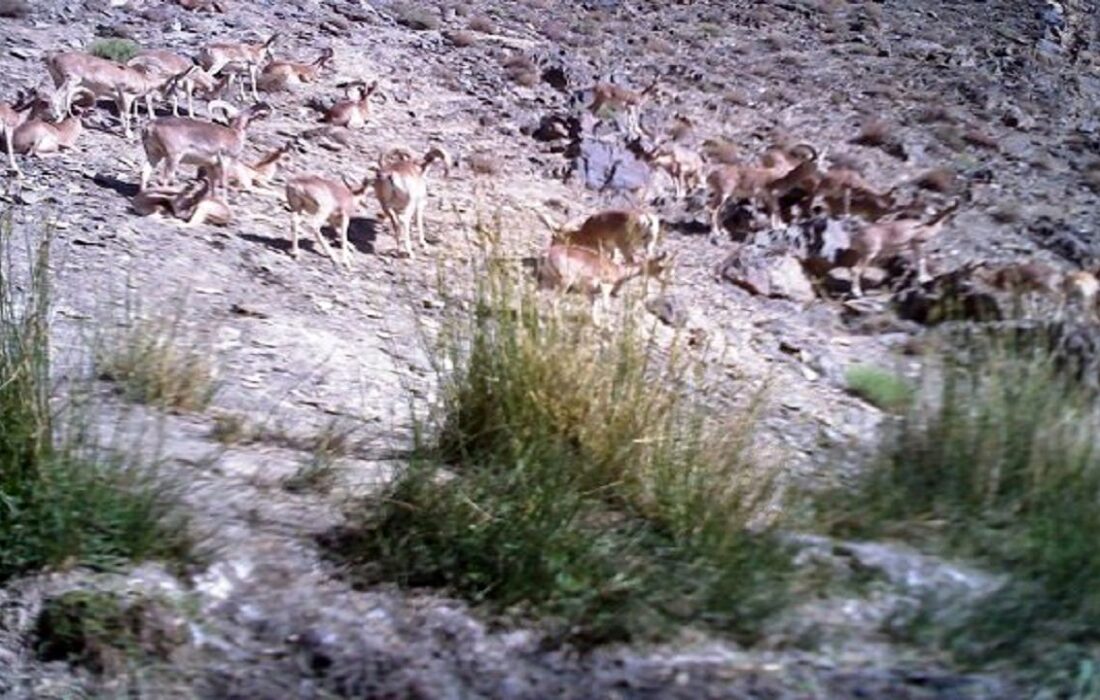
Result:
pixel 980 139
pixel 483 163
pixel 14 9
pixel 481 23
pixel 416 17
pixel 937 180
pixel 935 114
pixel 460 38
pixel 877 133
pixel 521 69
pixel 555 31
pixel 1092 175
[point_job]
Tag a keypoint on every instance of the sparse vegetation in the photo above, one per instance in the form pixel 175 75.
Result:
pixel 884 389
pixel 937 180
pixel 118 50
pixel 876 133
pixel 14 9
pixel 461 38
pixel 105 632
pixel 152 362
pixel 484 163
pixel 230 429
pixel 317 472
pixel 564 475
pixel 1002 465
pixel 481 23
pixel 415 16
pixel 65 500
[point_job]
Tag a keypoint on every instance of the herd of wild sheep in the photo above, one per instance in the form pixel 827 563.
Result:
pixel 596 254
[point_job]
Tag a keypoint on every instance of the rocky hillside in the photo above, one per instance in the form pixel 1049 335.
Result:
pixel 992 104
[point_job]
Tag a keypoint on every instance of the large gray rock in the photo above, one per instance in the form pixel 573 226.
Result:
pixel 767 273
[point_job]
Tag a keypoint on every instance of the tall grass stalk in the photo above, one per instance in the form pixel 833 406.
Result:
pixel 567 472
pixel 999 462
pixel 62 499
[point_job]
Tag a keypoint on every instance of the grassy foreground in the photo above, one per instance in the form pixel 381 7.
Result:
pixel 63 501
pixel 566 473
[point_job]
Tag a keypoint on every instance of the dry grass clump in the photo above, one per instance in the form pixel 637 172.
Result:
pixel 152 362
pixel 937 180
pixel 460 38
pixel 14 9
pixel 416 16
pixel 481 23
pixel 876 133
pixel 483 163
pixel 521 69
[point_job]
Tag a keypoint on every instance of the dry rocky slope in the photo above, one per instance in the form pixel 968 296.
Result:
pixel 1002 93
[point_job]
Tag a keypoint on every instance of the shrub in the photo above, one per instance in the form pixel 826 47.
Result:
pixel 481 23
pixel 118 50
pixel 415 17
pixel 64 500
pixel 567 473
pixel 1003 465
pixel 883 389
pixel 14 9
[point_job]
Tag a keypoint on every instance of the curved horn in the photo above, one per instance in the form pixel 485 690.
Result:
pixel 372 89
pixel 437 153
pixel 229 110
pixel 548 222
pixel 271 40
pixel 813 154
pixel 84 104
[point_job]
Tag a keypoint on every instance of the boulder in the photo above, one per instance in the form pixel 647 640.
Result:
pixel 767 273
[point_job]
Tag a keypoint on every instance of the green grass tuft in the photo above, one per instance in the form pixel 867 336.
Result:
pixel 1003 465
pixel 63 501
pixel 567 474
pixel 117 50
pixel 884 389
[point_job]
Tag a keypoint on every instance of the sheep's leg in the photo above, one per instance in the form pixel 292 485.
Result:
pixel 317 225
pixel 345 222
pixel 295 225
pixel 171 165
pixel 857 279
pixel 190 88
pixel 147 173
pixel 922 267
pixel 11 152
pixel 716 220
pixel 406 228
pixel 125 103
pixel 398 232
pixel 420 223
pixel 252 71
pixel 149 105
